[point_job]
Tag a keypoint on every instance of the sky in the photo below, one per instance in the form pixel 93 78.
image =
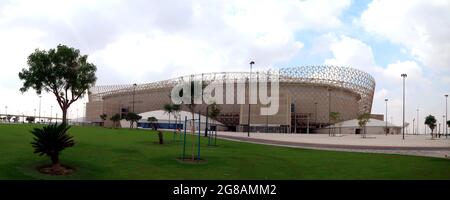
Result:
pixel 140 41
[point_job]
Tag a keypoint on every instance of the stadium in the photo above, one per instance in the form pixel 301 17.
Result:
pixel 307 96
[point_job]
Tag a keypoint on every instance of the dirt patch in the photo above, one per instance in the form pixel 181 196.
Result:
pixel 190 161
pixel 60 171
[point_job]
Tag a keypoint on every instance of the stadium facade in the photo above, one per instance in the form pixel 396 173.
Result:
pixel 307 95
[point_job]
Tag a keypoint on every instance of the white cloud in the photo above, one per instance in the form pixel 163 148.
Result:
pixel 421 26
pixel 351 52
pixel 411 68
pixel 420 89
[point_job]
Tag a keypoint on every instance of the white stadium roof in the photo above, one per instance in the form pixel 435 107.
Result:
pixel 163 116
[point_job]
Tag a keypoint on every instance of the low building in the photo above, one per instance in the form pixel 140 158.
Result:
pixel 374 126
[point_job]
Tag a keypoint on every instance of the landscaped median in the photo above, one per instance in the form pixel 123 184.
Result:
pixel 103 153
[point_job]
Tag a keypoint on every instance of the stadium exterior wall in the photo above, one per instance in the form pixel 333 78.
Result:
pixel 307 95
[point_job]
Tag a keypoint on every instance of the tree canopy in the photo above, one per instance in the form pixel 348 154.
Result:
pixel 430 121
pixel 132 117
pixel 62 71
pixel 213 111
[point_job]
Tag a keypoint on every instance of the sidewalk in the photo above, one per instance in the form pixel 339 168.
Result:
pixel 421 145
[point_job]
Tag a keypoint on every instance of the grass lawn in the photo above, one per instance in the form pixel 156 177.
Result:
pixel 101 153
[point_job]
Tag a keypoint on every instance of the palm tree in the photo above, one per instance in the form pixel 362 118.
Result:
pixel 176 108
pixel 115 118
pixel 362 121
pixel 168 108
pixel 51 140
pixel 430 120
pixel 103 117
pixel 152 121
pixel 334 116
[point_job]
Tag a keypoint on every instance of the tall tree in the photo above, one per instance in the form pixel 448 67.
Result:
pixel 176 111
pixel 132 118
pixel 430 121
pixel 115 118
pixel 169 109
pixel 153 122
pixel 363 119
pixel 62 71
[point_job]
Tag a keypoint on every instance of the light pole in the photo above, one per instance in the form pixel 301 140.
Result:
pixel 404 77
pixel 6 110
pixel 414 120
pixel 417 129
pixel 445 123
pixel 40 97
pixel 249 103
pixel 134 93
pixel 385 128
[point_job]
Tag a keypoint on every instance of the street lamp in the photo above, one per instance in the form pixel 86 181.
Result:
pixel 445 123
pixel 385 128
pixel 417 129
pixel 134 93
pixel 404 77
pixel 6 110
pixel 249 103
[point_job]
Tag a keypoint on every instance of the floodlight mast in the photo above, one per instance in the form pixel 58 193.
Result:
pixel 404 77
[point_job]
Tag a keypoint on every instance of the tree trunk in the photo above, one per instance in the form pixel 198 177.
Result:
pixel 64 115
pixel 160 136
pixel 56 166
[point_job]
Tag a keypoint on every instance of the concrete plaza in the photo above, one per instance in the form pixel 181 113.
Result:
pixel 421 145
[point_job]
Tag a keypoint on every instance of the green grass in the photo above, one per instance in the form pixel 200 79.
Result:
pixel 101 153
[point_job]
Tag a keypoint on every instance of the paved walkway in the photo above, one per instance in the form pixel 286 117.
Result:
pixel 421 145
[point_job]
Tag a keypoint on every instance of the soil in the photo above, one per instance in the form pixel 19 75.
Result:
pixel 61 171
pixel 190 161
